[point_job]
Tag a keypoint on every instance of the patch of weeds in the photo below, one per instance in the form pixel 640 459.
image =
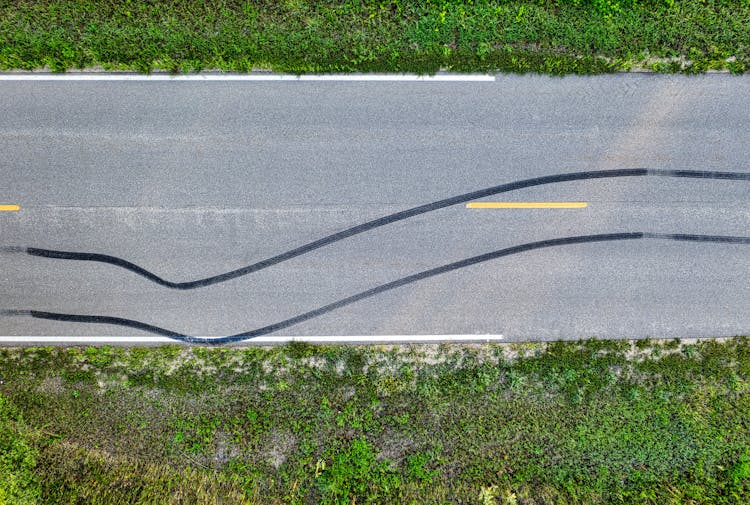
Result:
pixel 493 495
pixel 423 466
pixel 527 349
pixel 300 350
pixel 355 475
pixel 39 357
pixel 78 376
pixel 643 344
pixel 516 380
pixel 672 344
pixel 195 434
pixel 552 37
pixel 168 353
pixel 739 472
pixel 19 482
pixel 690 351
pixel 574 422
pixel 391 385
pixel 73 474
pixel 358 417
pixel 100 357
pixel 30 400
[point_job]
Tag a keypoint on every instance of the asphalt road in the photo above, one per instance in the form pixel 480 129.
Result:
pixel 189 180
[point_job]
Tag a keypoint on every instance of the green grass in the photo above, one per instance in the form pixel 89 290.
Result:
pixel 18 484
pixel 592 422
pixel 548 36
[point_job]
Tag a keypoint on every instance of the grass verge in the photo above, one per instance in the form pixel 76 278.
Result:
pixel 580 422
pixel 547 36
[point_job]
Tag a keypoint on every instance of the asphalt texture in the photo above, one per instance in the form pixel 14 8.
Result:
pixel 190 180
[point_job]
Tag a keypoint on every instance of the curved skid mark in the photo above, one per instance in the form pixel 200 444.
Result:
pixel 116 321
pixel 382 221
pixel 239 337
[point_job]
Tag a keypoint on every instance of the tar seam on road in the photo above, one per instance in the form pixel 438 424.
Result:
pixel 129 323
pixel 382 221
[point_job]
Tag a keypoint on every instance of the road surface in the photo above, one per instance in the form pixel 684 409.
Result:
pixel 190 180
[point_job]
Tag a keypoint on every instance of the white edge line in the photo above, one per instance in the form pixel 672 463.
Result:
pixel 367 339
pixel 243 77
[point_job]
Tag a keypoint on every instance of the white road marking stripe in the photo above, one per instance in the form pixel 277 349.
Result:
pixel 95 76
pixel 258 340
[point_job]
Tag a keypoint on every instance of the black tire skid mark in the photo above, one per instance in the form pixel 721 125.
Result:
pixel 376 223
pixel 239 337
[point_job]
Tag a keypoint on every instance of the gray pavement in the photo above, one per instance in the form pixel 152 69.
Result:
pixel 191 179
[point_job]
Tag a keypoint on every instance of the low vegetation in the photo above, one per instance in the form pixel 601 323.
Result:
pixel 548 36
pixel 593 422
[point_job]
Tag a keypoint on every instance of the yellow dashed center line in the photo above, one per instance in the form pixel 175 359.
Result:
pixel 9 208
pixel 526 205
